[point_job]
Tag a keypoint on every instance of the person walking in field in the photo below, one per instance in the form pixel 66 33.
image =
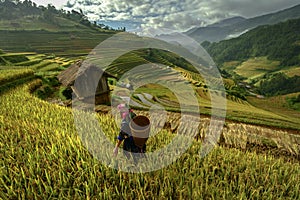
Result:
pixel 125 135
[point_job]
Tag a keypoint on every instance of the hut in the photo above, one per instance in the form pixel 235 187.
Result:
pixel 85 82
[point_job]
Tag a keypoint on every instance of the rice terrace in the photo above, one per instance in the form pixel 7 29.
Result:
pixel 45 155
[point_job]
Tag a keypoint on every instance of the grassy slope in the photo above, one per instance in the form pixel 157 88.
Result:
pixel 44 158
pixel 62 36
pixel 256 67
pixel 237 109
pixel 36 23
pixel 60 43
pixel 255 54
pixel 277 105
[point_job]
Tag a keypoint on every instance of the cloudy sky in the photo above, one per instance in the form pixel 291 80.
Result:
pixel 179 15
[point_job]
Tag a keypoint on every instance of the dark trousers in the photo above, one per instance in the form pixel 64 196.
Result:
pixel 130 147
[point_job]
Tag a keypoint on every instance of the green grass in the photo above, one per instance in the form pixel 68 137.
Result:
pixel 277 104
pixel 9 75
pixel 237 109
pixel 52 42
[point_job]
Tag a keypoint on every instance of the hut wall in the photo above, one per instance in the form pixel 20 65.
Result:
pixel 98 99
pixel 85 83
pixel 88 84
pixel 102 86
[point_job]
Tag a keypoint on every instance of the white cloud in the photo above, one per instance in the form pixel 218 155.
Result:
pixel 57 3
pixel 141 10
pixel 174 14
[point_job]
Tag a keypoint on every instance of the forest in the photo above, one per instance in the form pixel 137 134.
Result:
pixel 280 84
pixel 279 42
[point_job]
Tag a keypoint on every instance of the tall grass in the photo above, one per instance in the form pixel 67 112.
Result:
pixel 8 75
pixel 42 157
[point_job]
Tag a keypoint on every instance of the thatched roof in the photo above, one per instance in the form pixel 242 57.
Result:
pixel 68 77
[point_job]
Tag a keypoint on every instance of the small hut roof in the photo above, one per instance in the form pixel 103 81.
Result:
pixel 68 76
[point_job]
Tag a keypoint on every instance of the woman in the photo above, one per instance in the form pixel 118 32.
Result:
pixel 127 115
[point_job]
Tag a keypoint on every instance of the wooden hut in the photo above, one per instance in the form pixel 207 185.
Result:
pixel 85 82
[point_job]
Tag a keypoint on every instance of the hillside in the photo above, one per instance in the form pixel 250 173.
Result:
pixel 238 26
pixel 26 15
pixel 277 42
pixel 260 53
pixel 25 27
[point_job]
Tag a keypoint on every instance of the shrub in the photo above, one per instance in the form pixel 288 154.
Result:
pixel 67 93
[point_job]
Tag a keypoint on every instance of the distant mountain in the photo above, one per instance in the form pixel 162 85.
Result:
pixel 279 42
pixel 228 22
pixel 235 27
pixel 211 34
pixel 220 24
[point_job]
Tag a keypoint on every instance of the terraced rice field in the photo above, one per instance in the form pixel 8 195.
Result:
pixel 43 157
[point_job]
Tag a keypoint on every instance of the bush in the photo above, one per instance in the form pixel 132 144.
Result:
pixel 294 102
pixel 67 93
pixel 53 81
pixel 44 92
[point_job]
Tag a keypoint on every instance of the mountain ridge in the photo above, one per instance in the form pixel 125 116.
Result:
pixel 266 40
pixel 216 33
pixel 228 21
